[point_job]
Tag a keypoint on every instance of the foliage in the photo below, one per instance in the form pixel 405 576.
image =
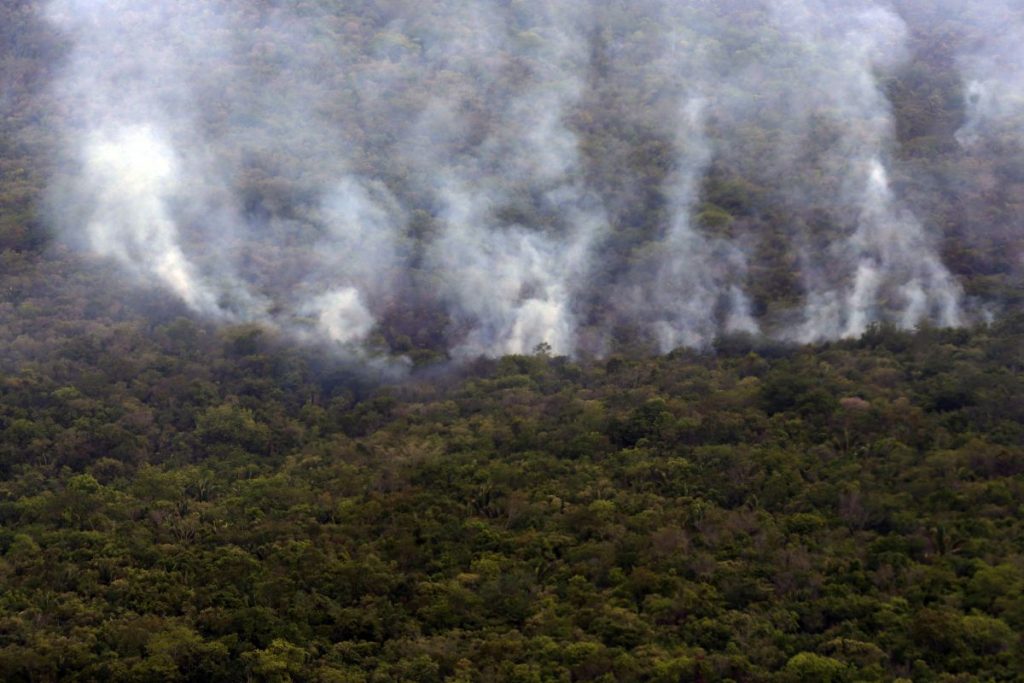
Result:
pixel 182 503
pixel 179 502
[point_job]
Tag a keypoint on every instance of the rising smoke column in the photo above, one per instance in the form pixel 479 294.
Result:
pixel 308 167
pixel 353 258
pixel 335 248
pixel 687 287
pixel 992 65
pixel 122 90
pixel 684 287
pixel 697 292
pixel 699 285
pixel 518 226
pixel 891 269
pixel 173 105
pixel 684 293
pixel 132 175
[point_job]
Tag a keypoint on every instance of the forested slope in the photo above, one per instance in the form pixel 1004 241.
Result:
pixel 185 503
pixel 187 497
pixel 422 182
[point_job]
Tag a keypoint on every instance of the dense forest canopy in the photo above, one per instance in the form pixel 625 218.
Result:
pixel 511 340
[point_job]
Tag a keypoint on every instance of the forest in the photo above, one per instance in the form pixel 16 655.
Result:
pixel 262 418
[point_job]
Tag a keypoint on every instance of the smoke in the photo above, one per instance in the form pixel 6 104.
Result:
pixel 129 178
pixel 351 260
pixel 132 175
pixel 989 55
pixel 495 177
pixel 791 93
pixel 887 268
pixel 696 291
pixel 682 285
pixel 171 108
pixel 992 65
pixel 511 277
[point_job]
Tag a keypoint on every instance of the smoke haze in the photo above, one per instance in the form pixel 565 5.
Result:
pixel 326 171
pixel 993 70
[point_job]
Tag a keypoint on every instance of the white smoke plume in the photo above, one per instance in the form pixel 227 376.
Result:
pixel 684 287
pixel 163 126
pixel 694 276
pixel 887 269
pixel 351 260
pixel 513 282
pixel 132 177
pixel 992 64
pixel 358 174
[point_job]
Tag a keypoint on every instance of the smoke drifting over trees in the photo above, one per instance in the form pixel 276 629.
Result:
pixel 326 170
pixel 993 72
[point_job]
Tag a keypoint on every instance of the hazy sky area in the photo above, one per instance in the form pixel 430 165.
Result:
pixel 316 167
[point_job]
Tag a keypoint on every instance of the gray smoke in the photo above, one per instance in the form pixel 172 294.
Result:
pixel 683 286
pixel 162 130
pixel 887 269
pixel 317 169
pixel 809 84
pixel 685 278
pixel 512 282
pixel 992 65
pixel 131 175
pixel 126 112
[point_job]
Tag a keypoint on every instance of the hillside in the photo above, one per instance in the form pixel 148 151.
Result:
pixel 398 341
pixel 413 181
pixel 182 503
